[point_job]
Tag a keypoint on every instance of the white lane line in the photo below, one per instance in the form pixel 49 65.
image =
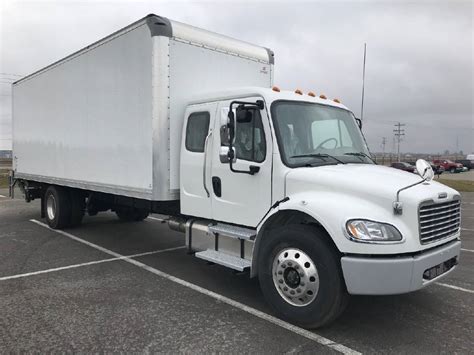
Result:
pixel 467 229
pixel 469 250
pixel 86 264
pixel 455 287
pixel 271 319
pixel 3 196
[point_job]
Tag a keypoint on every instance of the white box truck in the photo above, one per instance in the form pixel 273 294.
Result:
pixel 162 117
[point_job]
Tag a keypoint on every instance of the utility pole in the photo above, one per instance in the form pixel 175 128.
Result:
pixel 399 133
pixel 384 141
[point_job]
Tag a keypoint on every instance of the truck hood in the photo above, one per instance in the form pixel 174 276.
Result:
pixel 366 181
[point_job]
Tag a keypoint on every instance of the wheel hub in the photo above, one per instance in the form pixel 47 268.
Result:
pixel 291 277
pixel 295 277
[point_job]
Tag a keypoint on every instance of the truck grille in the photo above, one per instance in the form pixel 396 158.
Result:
pixel 439 220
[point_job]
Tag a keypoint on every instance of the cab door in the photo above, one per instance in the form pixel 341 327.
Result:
pixel 242 198
pixel 195 164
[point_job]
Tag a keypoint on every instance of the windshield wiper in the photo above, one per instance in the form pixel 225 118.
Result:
pixel 362 154
pixel 317 155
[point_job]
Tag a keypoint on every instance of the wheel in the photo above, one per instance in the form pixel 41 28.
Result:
pixel 452 170
pixel 57 206
pixel 300 276
pixel 131 214
pixel 78 207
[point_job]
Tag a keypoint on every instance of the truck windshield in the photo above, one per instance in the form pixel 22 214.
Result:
pixel 312 134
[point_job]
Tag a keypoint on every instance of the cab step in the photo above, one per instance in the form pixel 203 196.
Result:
pixel 230 261
pixel 231 231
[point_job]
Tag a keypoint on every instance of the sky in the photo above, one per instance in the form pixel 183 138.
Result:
pixel 419 67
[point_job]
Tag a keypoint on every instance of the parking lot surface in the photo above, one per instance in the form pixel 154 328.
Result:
pixel 115 286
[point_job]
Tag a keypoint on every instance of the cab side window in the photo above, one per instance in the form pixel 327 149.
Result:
pixel 250 141
pixel 196 131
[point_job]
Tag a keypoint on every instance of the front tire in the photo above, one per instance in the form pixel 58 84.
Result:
pixel 301 277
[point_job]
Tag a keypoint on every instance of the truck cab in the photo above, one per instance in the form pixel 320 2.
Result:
pixel 283 183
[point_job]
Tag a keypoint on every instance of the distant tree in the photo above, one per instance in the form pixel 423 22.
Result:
pixel 446 152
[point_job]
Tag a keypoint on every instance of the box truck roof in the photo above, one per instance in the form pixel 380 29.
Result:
pixel 161 26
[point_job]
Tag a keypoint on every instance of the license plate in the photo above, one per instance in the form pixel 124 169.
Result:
pixel 439 269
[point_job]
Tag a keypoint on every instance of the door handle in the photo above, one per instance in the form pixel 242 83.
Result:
pixel 216 186
pixel 204 164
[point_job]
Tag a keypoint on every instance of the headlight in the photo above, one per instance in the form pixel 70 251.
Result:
pixel 369 231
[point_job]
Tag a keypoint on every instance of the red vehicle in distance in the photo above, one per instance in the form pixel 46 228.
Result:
pixel 449 165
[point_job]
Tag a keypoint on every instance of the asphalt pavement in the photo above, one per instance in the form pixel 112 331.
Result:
pixel 131 287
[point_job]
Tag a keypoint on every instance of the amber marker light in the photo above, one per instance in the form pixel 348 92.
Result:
pixel 299 92
pixel 322 96
pixel 312 94
pixel 276 88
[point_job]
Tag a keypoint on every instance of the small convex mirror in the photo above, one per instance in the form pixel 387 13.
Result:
pixel 423 168
pixel 243 115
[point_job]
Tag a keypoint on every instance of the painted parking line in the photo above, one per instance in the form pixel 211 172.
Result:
pixel 87 264
pixel 3 196
pixel 455 287
pixel 469 250
pixel 271 319
pixel 467 229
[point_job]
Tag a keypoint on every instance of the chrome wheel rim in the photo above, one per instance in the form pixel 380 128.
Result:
pixel 295 277
pixel 51 207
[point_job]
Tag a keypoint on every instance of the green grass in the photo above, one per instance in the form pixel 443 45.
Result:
pixel 3 180
pixel 460 185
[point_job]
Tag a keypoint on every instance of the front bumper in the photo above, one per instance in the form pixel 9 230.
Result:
pixel 395 275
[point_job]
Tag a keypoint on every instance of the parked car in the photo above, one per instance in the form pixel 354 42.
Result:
pixel 404 166
pixel 449 165
pixel 467 163
pixel 437 169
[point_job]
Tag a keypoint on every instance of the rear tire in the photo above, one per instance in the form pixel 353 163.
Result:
pixel 300 276
pixel 131 214
pixel 78 206
pixel 57 207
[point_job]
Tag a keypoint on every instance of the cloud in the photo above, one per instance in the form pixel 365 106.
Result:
pixel 419 63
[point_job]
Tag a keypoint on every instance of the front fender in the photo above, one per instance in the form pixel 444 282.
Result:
pixel 332 210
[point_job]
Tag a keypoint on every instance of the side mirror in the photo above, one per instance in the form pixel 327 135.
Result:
pixel 225 135
pixel 243 115
pixel 424 169
pixel 224 155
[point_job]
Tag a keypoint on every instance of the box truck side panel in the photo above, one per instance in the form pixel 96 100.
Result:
pixel 196 69
pixel 86 122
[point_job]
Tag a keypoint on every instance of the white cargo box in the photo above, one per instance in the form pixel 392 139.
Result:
pixel 109 117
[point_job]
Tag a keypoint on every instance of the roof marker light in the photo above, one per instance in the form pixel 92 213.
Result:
pixel 276 88
pixel 337 101
pixel 322 96
pixel 312 94
pixel 299 92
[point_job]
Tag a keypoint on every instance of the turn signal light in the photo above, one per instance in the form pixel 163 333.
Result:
pixel 276 88
pixel 337 100
pixel 322 96
pixel 312 94
pixel 299 92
